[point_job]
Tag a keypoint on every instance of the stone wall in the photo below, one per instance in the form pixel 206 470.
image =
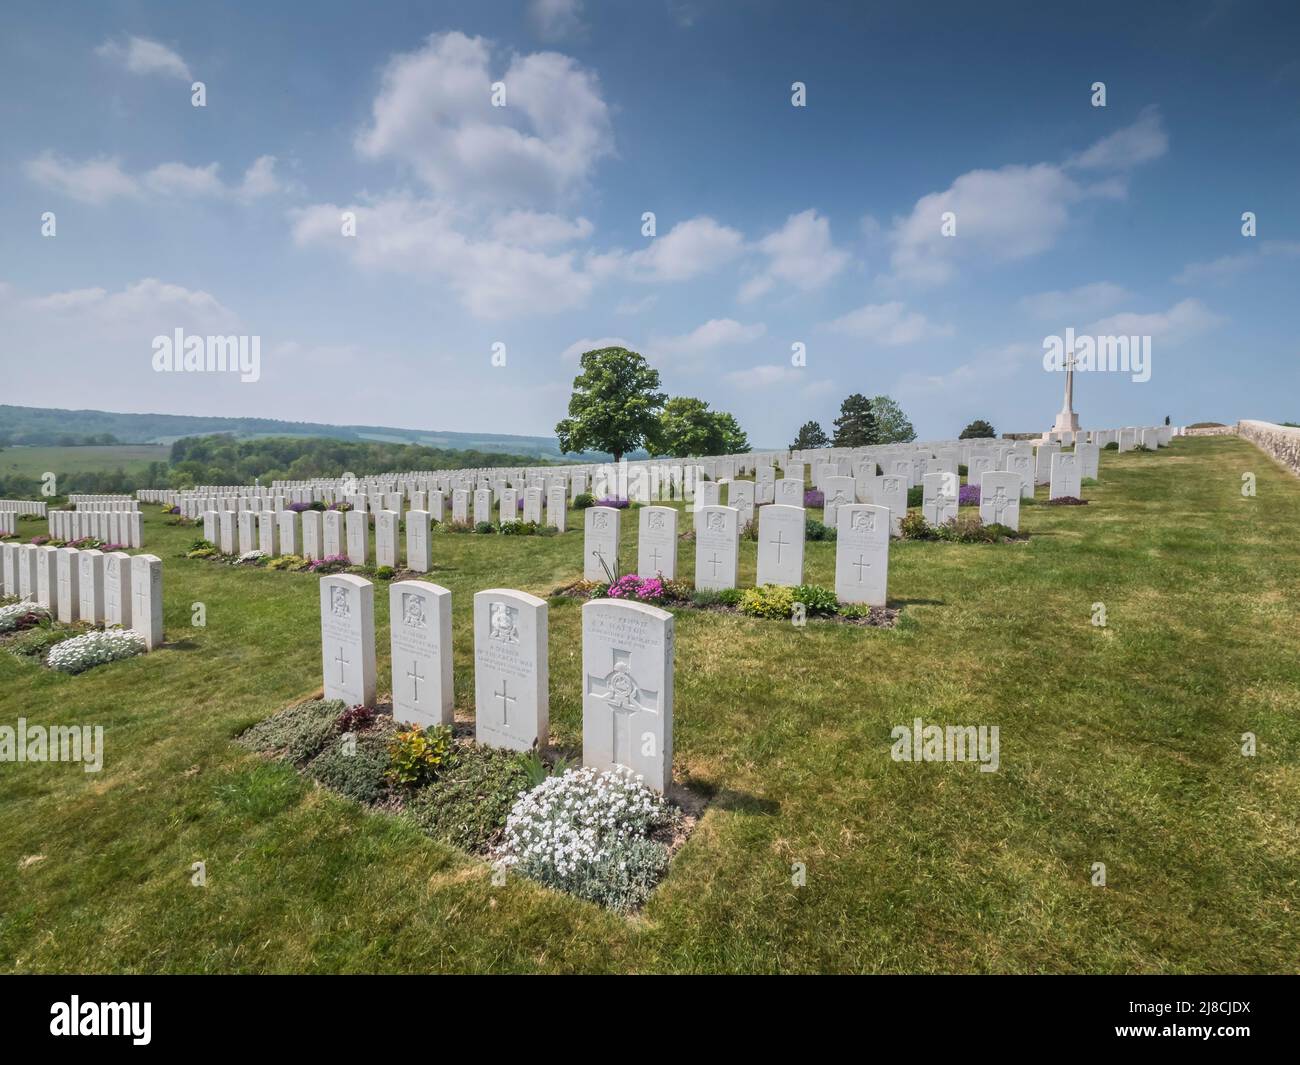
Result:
pixel 1209 430
pixel 1280 441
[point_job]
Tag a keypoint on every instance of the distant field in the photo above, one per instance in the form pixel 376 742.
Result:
pixel 34 461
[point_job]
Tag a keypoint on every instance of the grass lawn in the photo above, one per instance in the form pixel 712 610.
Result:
pixel 34 462
pixel 1118 745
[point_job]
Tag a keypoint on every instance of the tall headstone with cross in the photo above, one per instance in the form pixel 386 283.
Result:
pixel 740 495
pixel 47 575
pixel 1000 498
pixel 1023 466
pixel 656 545
pixel 862 552
pixel 211 523
pixel 146 598
pixel 419 614
pixel 512 706
pixel 418 555
pixel 1066 481
pixel 347 630
pixel 1043 461
pixel 68 595
pixel 313 544
pixel 717 546
pixel 780 544
pixel 789 491
pixel 482 505
pixel 460 505
pixel 1089 456
pixel 90 587
pixel 533 504
pixel 600 543
pixel 117 589
pixel 268 533
pixel 890 490
pixel 247 520
pixel 386 522
pixel 836 491
pixel 226 531
pixel 939 497
pixel 555 507
pixel 627 689
pixel 287 520
pixel 27 572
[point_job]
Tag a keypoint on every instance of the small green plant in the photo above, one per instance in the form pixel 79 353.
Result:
pixel 537 770
pixel 914 527
pixel 385 573
pixel 817 601
pixel 583 500
pixel 297 734
pixel 467 806
pixel 816 530
pixel 484 527
pixel 418 755
pixel 289 562
pixel 915 496
pixel 768 601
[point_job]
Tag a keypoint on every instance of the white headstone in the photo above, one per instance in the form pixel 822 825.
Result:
pixel 90 586
pixel 117 589
pixel 146 599
pixel 600 543
pixel 268 533
pixel 347 629
pixel 1000 498
pixel 939 497
pixel 226 525
pixel 780 544
pixel 789 492
pixel 555 507
pixel 287 520
pixel 862 552
pixel 511 670
pixel 358 523
pixel 386 538
pixel 418 556
pixel 68 593
pixel 1023 466
pixel 420 618
pixel 627 689
pixel 836 491
pixel 1065 480
pixel 47 576
pixel 890 490
pixel 717 545
pixel 656 548
pixel 313 546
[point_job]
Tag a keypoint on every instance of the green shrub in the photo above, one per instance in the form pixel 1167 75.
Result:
pixel 418 755
pixel 854 610
pixel 297 734
pixel 459 527
pixel 769 601
pixel 520 528
pixel 356 767
pixel 1112 446
pixel 816 530
pixel 817 601
pixel 34 642
pixel 385 573
pixel 289 562
pixel 915 527
pixel 484 527
pixel 915 496
pixel 704 597
pixel 583 500
pixel 468 804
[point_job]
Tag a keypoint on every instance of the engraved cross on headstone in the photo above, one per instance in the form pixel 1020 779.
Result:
pixel 619 691
pixel 780 542
pixel 414 674
pixel 506 699
pixel 342 663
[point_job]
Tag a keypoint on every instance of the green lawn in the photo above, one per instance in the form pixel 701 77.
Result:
pixel 1118 745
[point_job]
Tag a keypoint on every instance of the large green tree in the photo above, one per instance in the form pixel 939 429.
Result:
pixel 615 404
pixel 733 438
pixel 810 435
pixel 892 426
pixel 856 425
pixel 688 427
pixel 977 430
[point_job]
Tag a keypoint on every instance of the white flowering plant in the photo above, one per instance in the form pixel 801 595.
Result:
pixel 21 616
pixel 94 649
pixel 589 833
pixel 251 556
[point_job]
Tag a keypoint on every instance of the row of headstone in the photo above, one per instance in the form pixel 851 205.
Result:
pixel 8 523
pixel 98 588
pixel 22 506
pixel 627 668
pixel 112 527
pixel 781 536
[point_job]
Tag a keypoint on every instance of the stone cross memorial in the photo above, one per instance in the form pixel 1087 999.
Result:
pixel 627 689
pixel 347 631
pixel 420 618
pixel 511 670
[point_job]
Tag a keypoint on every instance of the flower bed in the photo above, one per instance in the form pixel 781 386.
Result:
pixel 22 616
pixel 601 836
pixel 94 649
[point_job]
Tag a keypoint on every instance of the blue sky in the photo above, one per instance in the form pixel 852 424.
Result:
pixel 775 224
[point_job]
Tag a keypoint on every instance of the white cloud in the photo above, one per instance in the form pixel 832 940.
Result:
pixel 434 113
pixel 1131 146
pixel 1226 267
pixel 890 324
pixel 1085 300
pixel 1017 211
pixel 709 337
pixel 492 279
pixel 557 19
pixel 533 229
pixel 640 306
pixel 1184 320
pixel 690 249
pixel 783 375
pixel 140 55
pixel 177 179
pixel 800 254
pixel 580 347
pixel 100 180
pixel 93 181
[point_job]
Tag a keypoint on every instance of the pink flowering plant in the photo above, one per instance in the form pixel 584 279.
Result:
pixel 642 589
